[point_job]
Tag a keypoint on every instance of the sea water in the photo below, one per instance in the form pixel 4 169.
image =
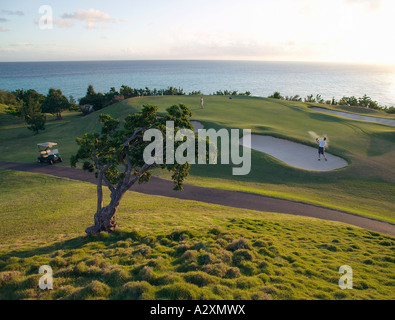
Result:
pixel 260 78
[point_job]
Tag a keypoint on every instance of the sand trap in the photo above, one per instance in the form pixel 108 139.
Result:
pixel 197 125
pixel 390 122
pixel 295 154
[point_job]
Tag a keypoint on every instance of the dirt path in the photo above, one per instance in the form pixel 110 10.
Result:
pixel 235 199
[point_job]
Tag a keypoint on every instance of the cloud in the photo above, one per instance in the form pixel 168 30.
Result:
pixel 91 17
pixel 369 4
pixel 63 23
pixel 4 29
pixel 4 20
pixel 12 13
pixel 21 44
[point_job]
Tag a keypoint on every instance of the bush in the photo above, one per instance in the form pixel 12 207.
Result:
pixel 238 244
pixel 276 95
pixel 206 258
pixel 248 282
pixel 146 274
pixel 189 255
pixel 95 289
pixel 139 290
pixel 218 270
pixel 242 255
pixel 178 291
pixel 199 278
pixel 180 235
pixel 144 250
pixel 167 279
pixel 116 276
pixel 232 273
pixel 7 277
pixel 247 268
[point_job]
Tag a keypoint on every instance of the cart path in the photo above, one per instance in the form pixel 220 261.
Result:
pixel 234 199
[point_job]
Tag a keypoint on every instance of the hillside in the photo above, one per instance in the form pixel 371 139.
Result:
pixel 176 249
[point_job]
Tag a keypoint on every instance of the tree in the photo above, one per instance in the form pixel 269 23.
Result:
pixel 116 157
pixel 276 95
pixel 97 100
pixel 55 103
pixel 23 99
pixel 73 104
pixel 33 116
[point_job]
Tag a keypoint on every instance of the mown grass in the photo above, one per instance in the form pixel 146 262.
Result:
pixel 366 187
pixel 174 249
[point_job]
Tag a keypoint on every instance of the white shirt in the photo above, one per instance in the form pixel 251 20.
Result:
pixel 322 143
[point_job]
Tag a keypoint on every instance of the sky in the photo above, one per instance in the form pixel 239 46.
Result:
pixel 357 31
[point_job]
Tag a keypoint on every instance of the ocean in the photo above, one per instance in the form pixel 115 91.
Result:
pixel 260 78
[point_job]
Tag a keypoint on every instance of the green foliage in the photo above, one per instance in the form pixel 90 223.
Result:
pixel 55 103
pixel 34 117
pixel 276 95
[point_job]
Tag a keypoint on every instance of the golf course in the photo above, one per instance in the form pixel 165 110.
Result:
pixel 280 232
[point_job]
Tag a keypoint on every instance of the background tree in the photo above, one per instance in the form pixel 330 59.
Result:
pixel 55 103
pixel 33 116
pixel 116 157
pixel 73 104
pixel 276 95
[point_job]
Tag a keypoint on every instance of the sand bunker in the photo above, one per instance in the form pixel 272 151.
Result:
pixel 197 125
pixel 295 154
pixel 390 122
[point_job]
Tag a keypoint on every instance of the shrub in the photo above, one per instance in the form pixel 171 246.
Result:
pixel 232 273
pixel 242 255
pixel 206 258
pixel 247 268
pixel 222 291
pixel 218 269
pixel 94 290
pixel 222 242
pixel 180 235
pixel 199 278
pixel 7 277
pixel 259 295
pixel 248 282
pixel 167 279
pixel 144 250
pixel 238 244
pixel 146 274
pixel 215 231
pixel 178 291
pixel 164 241
pixel 80 268
pixel 149 240
pixel 115 276
pixel 181 248
pixel 139 290
pixel 189 255
pixel 122 244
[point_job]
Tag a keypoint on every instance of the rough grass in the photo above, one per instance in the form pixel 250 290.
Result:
pixel 174 249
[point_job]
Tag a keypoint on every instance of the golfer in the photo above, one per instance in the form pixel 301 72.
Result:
pixel 321 148
pixel 201 103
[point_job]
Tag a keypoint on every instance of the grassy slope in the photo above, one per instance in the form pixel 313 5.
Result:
pixel 357 110
pixel 173 249
pixel 369 148
pixel 366 187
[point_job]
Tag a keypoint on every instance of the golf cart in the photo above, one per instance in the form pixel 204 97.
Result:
pixel 47 154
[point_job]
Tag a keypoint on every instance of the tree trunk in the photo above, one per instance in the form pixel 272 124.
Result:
pixel 105 217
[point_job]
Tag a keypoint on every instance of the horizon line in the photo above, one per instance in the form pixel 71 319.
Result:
pixel 212 60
